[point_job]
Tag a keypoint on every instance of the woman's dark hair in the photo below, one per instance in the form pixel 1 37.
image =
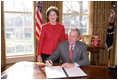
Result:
pixel 52 8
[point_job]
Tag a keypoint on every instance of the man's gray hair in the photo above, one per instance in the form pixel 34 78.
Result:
pixel 74 29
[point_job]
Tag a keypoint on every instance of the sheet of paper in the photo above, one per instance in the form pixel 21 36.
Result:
pixel 58 72
pixel 54 72
pixel 74 72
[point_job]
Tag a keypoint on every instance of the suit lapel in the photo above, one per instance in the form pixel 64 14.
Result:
pixel 67 51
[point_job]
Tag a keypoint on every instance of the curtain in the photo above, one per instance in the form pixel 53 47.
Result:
pixel 99 14
pixel 35 40
pixel 3 51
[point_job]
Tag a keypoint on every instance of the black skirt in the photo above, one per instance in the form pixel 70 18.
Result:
pixel 45 56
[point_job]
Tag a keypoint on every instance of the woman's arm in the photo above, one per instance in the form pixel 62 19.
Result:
pixel 40 43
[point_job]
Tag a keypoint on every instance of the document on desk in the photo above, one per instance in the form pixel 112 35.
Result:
pixel 59 72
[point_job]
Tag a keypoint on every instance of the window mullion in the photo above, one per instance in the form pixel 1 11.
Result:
pixel 75 14
pixel 15 33
pixel 18 12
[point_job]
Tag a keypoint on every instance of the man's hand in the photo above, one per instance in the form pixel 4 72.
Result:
pixel 39 59
pixel 68 65
pixel 49 63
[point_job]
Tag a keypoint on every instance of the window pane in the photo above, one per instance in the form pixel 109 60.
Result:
pixel 66 7
pixel 66 20
pixel 9 5
pixel 28 33
pixel 74 21
pixel 83 20
pixel 75 7
pixel 28 6
pixel 28 47
pixel 20 47
pixel 28 20
pixel 10 48
pixel 18 5
pixel 9 20
pixel 83 31
pixel 19 33
pixel 85 7
pixel 18 20
pixel 10 34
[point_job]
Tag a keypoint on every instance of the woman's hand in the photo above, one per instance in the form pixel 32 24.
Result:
pixel 39 59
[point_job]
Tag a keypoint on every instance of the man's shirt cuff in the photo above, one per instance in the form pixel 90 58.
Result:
pixel 76 65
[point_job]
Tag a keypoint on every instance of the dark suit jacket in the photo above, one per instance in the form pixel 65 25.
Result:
pixel 79 55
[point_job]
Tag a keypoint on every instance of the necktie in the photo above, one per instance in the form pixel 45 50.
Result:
pixel 71 51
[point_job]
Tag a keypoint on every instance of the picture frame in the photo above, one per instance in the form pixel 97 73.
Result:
pixel 97 42
pixel 87 39
pixel 93 38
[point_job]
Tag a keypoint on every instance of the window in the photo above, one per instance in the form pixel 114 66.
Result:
pixel 75 14
pixel 19 30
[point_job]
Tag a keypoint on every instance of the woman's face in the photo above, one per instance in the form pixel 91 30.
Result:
pixel 52 16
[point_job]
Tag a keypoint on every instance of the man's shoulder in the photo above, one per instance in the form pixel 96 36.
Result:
pixel 63 42
pixel 81 43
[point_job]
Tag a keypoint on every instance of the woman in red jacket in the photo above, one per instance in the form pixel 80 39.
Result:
pixel 51 34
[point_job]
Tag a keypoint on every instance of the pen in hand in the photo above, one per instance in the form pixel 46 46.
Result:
pixel 49 63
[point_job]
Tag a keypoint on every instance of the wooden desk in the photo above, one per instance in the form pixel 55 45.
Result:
pixel 30 70
pixel 94 50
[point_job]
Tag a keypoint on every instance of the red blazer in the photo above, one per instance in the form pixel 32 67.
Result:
pixel 50 36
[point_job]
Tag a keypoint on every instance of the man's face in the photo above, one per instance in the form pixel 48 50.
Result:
pixel 72 37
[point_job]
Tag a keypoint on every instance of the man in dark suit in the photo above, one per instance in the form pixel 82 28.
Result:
pixel 73 51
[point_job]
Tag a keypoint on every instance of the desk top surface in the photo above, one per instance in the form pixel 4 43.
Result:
pixel 31 70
